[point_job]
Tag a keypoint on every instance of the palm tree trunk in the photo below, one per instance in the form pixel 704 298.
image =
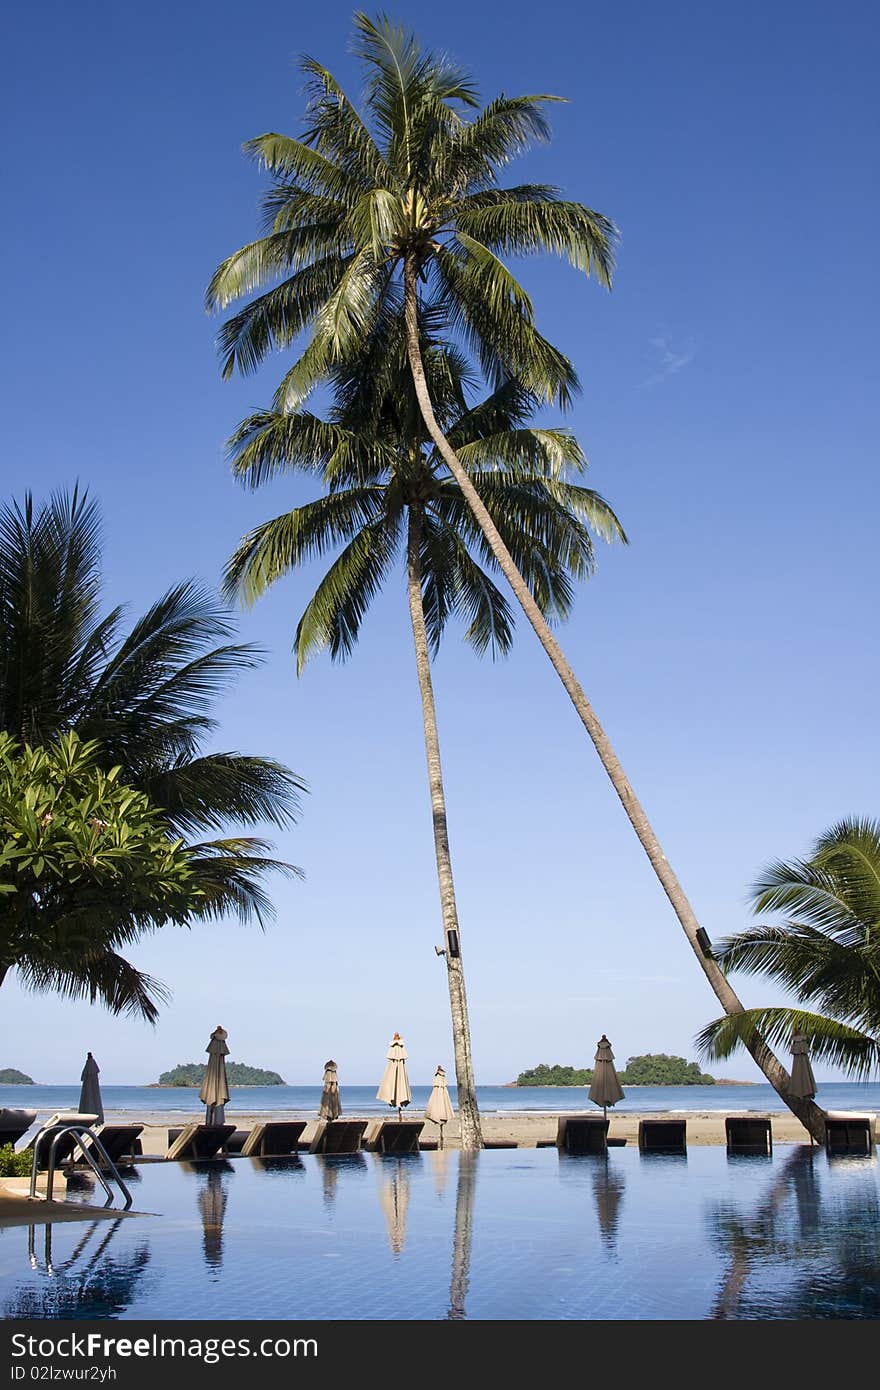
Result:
pixel 468 1112
pixel 810 1114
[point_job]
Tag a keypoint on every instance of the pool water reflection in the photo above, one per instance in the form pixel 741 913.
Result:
pixel 506 1234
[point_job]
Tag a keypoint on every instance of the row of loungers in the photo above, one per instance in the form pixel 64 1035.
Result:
pixel 576 1134
pixel 584 1134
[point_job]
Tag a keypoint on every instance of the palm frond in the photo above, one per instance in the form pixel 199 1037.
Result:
pixel 828 1040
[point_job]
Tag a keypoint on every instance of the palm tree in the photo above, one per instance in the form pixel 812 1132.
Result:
pixel 361 213
pixel 827 952
pixel 144 698
pixel 387 492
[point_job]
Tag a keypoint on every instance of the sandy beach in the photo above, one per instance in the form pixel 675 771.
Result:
pixel 703 1127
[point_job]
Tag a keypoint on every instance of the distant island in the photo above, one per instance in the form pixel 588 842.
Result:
pixel 237 1074
pixel 652 1069
pixel 10 1076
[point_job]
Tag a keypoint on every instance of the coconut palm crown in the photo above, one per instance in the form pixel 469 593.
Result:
pixel 414 181
pixel 144 697
pixel 826 952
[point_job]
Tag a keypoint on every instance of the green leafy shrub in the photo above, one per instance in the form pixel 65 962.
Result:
pixel 15 1165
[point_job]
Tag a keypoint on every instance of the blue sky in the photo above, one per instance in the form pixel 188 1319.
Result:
pixel 727 411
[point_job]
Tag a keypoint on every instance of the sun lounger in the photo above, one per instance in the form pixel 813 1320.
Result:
pixel 14 1124
pixel 67 1143
pixel 748 1135
pixel 663 1136
pixel 848 1134
pixel 393 1136
pixel 121 1143
pixel 278 1139
pixel 338 1137
pixel 198 1141
pixel 582 1134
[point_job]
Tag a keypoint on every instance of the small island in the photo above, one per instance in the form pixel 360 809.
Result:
pixel 651 1069
pixel 10 1076
pixel 237 1074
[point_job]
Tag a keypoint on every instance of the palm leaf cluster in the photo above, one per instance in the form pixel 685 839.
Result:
pixel 378 468
pixel 354 197
pixel 143 695
pixel 826 951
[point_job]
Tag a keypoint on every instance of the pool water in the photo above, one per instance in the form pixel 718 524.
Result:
pixel 505 1234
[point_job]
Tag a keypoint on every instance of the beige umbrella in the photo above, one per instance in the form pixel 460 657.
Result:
pixel 214 1089
pixel 803 1082
pixel 394 1086
pixel 394 1197
pixel 605 1087
pixel 439 1108
pixel 90 1102
pixel 330 1108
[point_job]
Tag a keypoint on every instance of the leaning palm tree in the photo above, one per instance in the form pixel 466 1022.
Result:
pixel 370 218
pixel 144 698
pixel 387 493
pixel 826 952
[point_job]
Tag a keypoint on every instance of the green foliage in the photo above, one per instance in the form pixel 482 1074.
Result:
pixel 86 864
pixel 380 470
pixel 659 1069
pixel 15 1165
pixel 544 1075
pixel 413 179
pixel 826 951
pixel 141 701
pixel 11 1076
pixel 652 1069
pixel 237 1074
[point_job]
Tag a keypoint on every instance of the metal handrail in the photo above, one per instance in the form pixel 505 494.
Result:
pixel 56 1132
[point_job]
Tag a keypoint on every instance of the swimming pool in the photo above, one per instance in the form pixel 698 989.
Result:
pixel 506 1234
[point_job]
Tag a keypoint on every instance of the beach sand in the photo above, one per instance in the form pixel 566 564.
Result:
pixel 703 1127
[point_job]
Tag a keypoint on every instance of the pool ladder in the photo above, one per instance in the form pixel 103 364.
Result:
pixel 78 1129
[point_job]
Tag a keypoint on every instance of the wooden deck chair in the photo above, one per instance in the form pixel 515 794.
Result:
pixel 393 1136
pixel 67 1144
pixel 663 1136
pixel 276 1139
pixel 848 1134
pixel 582 1134
pixel 121 1143
pixel 748 1134
pixel 199 1141
pixel 338 1137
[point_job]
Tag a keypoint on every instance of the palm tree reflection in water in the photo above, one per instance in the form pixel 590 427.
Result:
pixel 464 1234
pixel 829 1242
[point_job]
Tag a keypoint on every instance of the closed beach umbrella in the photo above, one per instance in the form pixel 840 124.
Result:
pixel 803 1082
pixel 330 1108
pixel 394 1086
pixel 214 1089
pixel 90 1102
pixel 439 1108
pixel 605 1087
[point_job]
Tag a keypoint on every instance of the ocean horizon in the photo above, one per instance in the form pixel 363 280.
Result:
pixel 146 1101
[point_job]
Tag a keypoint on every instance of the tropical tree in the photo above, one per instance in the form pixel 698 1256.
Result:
pixel 141 700
pixel 370 217
pixel 387 493
pixel 826 951
pixel 86 867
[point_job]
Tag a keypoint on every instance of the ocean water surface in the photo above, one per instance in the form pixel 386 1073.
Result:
pixel 146 1101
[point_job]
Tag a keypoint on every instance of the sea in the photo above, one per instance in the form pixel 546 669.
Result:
pixel 299 1101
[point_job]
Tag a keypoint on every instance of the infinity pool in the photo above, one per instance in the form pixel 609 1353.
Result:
pixel 508 1234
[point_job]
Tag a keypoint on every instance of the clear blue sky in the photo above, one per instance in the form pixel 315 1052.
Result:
pixel 729 417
